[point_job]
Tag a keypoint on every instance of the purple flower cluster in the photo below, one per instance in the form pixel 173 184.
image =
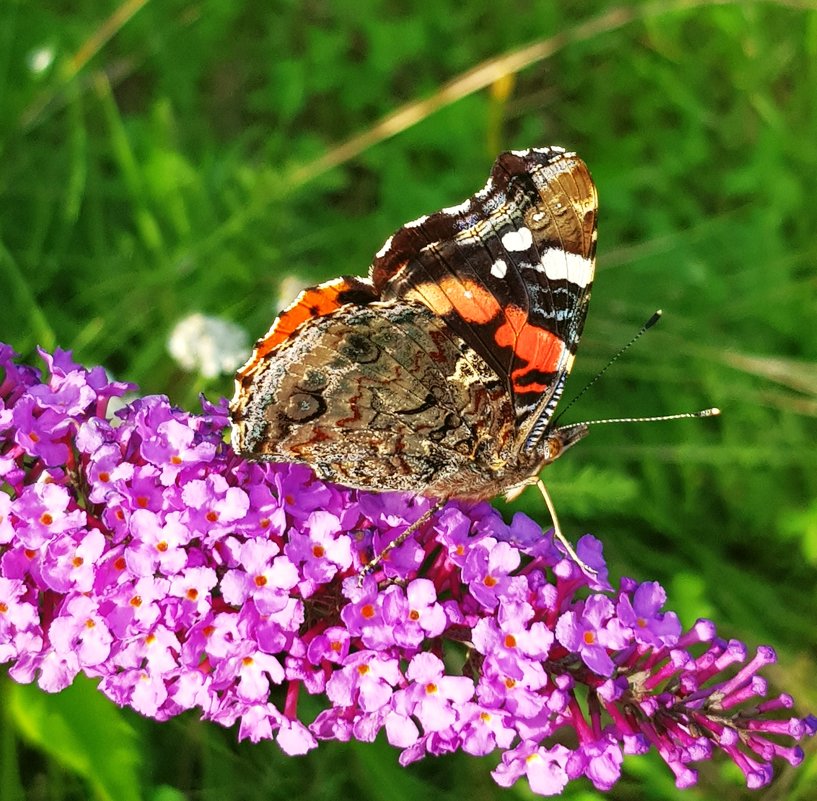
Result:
pixel 139 550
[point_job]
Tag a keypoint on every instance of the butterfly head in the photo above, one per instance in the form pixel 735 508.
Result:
pixel 557 441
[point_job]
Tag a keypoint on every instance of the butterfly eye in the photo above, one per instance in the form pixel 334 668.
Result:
pixel 553 447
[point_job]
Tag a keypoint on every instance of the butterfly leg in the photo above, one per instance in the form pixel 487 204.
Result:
pixel 372 565
pixel 557 529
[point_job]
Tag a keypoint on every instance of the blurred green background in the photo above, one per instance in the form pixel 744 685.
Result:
pixel 161 159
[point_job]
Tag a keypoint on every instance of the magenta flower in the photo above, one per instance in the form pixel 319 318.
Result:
pixel 367 679
pixel 145 554
pixel 44 511
pixel 640 610
pixel 41 435
pixel 69 562
pixel 19 621
pixel 545 768
pixel 484 728
pixel 432 697
pixel 80 633
pixel 591 631
pixel 488 569
pixel 320 550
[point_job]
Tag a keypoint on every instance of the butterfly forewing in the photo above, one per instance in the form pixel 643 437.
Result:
pixel 509 270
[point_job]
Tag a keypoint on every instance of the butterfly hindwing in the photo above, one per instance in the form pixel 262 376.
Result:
pixel 364 395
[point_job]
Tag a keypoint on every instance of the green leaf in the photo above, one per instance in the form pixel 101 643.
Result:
pixel 84 732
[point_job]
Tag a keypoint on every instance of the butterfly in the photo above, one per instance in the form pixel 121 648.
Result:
pixel 440 372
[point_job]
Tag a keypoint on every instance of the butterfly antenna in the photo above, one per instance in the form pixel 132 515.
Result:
pixel 621 351
pixel 712 412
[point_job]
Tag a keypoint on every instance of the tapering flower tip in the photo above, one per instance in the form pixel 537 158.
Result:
pixel 735 651
pixel 702 631
pixel 756 687
pixel 765 655
pixel 728 737
pixel 684 776
pixel 676 661
pixel 783 701
pixel 757 774
pixel 698 749
pixel 147 555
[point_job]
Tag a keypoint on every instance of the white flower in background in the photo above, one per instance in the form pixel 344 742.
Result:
pixel 208 345
pixel 40 59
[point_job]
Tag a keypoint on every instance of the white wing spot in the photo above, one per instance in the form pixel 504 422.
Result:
pixel 499 268
pixel 559 265
pixel 521 239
